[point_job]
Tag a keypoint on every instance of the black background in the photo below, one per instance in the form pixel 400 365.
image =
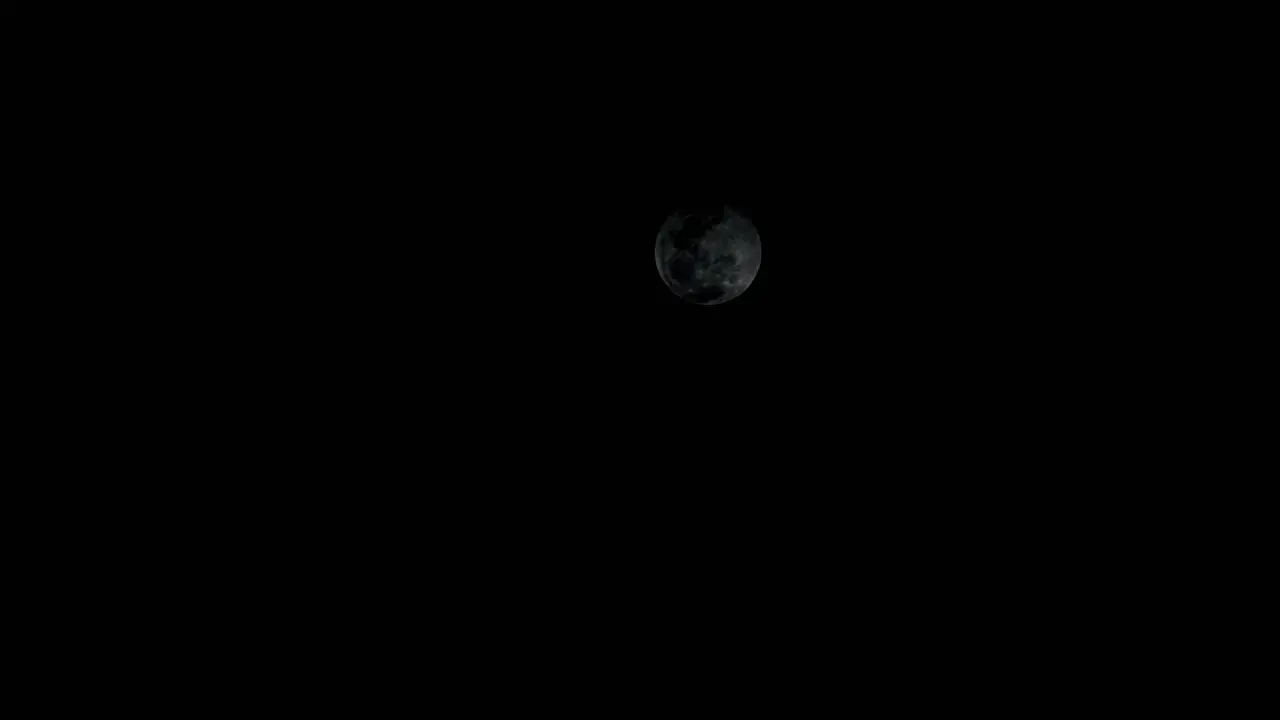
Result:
pixel 438 275
pixel 402 269
pixel 422 249
pixel 396 383
pixel 927 209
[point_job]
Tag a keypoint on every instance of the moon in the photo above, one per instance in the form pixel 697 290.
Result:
pixel 708 257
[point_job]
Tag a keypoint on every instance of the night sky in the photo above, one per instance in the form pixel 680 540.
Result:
pixel 419 383
pixel 397 230
pixel 418 231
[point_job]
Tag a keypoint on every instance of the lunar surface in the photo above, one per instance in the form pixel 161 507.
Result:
pixel 708 258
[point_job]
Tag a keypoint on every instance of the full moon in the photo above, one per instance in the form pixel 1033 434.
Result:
pixel 707 258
